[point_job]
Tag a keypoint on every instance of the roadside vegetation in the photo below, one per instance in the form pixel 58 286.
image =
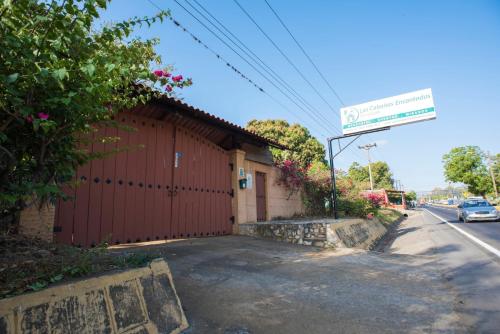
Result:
pixel 388 216
pixel 61 77
pixel 32 265
pixel 305 170
pixel 477 170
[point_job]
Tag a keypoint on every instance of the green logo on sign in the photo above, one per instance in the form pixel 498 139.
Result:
pixel 351 115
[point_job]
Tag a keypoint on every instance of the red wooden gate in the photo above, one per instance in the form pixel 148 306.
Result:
pixel 168 183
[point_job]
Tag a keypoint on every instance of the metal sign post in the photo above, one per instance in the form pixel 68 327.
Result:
pixel 332 158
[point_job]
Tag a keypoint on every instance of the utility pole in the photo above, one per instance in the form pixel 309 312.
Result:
pixel 492 175
pixel 367 148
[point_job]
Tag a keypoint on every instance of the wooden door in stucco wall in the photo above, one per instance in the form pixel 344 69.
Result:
pixel 260 189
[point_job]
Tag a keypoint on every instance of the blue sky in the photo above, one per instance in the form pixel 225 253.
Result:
pixel 367 50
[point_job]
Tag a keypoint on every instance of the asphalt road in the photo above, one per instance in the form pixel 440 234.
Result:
pixel 469 262
pixel 488 232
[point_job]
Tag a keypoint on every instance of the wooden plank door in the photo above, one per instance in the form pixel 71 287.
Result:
pixel 260 189
pixel 201 201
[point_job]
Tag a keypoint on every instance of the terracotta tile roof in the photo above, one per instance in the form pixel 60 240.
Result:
pixel 156 108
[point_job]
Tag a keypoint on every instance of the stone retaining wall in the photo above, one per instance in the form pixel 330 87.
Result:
pixel 135 301
pixel 359 233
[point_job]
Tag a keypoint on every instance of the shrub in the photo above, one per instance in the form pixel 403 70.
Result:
pixel 291 176
pixel 375 199
pixel 316 196
pixel 357 207
pixel 59 76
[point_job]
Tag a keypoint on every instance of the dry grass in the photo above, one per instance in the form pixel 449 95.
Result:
pixel 388 216
pixel 32 265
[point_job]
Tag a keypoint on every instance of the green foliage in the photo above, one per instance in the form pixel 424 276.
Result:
pixel 411 195
pixel 381 173
pixel 496 169
pixel 355 207
pixel 388 216
pixel 466 165
pixel 305 148
pixel 58 77
pixel 358 173
pixel 26 270
pixel 316 195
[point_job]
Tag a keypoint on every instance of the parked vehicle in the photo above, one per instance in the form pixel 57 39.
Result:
pixel 477 210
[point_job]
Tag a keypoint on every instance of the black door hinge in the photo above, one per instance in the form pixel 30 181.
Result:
pixel 231 166
pixel 232 220
pixel 57 229
pixel 231 193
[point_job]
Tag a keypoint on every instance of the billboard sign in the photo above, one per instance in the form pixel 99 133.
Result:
pixel 391 111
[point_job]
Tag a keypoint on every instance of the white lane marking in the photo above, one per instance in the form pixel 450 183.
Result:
pixel 468 235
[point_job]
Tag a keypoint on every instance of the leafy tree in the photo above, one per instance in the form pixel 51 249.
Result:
pixel 466 165
pixel 358 173
pixel 381 173
pixel 305 148
pixel 411 195
pixel 495 166
pixel 58 77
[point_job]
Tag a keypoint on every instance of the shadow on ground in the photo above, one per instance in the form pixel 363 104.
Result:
pixel 242 285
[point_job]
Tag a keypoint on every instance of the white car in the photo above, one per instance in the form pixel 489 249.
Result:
pixel 477 210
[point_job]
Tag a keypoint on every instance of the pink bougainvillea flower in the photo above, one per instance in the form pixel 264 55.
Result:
pixel 369 216
pixel 29 119
pixel 166 74
pixel 168 88
pixel 43 115
pixel 158 73
pixel 177 78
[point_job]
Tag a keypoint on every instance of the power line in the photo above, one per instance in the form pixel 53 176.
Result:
pixel 257 60
pixel 199 41
pixel 309 58
pixel 288 60
pixel 251 65
pixel 254 57
pixel 236 70
pixel 284 55
pixel 305 53
pixel 228 64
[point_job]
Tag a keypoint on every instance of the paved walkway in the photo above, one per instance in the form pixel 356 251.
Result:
pixel 244 285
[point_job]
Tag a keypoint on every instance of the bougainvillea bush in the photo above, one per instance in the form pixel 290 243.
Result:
pixel 60 75
pixel 375 199
pixel 291 176
pixel 315 184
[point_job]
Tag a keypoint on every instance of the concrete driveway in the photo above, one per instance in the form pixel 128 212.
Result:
pixel 243 285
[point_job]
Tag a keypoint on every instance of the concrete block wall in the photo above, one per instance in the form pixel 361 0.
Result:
pixel 136 301
pixel 38 222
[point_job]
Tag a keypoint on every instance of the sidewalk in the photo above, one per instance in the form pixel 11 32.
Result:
pixel 243 285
